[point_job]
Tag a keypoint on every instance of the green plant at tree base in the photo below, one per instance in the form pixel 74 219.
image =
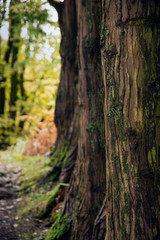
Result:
pixel 59 227
pixel 47 207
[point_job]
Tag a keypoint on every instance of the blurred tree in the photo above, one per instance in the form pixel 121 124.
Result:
pixel 6 58
pixel 15 26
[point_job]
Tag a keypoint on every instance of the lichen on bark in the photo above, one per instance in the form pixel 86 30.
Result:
pixel 131 79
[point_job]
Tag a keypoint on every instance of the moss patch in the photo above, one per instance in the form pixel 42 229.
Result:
pixel 59 227
pixel 45 208
pixel 60 156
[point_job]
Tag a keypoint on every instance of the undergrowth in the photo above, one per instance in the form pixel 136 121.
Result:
pixel 31 170
pixel 59 227
pixel 36 200
pixel 46 206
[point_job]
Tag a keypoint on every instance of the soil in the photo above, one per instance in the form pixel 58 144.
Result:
pixel 11 226
pixel 8 202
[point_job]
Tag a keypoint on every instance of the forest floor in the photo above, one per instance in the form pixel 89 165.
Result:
pixel 20 196
pixel 8 202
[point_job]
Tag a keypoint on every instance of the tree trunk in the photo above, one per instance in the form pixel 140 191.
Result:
pixel 15 25
pixel 23 96
pixel 66 112
pixel 12 49
pixel 79 116
pixel 131 68
pixel 111 125
pixel 6 58
pixel 66 102
pixel 87 185
pixel 3 77
pixel 14 84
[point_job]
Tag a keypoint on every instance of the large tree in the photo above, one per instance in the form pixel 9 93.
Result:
pixel 131 70
pixel 108 111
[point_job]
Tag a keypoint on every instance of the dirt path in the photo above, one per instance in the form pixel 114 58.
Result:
pixel 8 201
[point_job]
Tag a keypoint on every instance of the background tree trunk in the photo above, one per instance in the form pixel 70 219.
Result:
pixel 3 77
pixel 23 95
pixel 80 96
pixel 14 81
pixel 66 112
pixel 66 101
pixel 86 191
pixel 6 58
pixel 15 20
pixel 11 52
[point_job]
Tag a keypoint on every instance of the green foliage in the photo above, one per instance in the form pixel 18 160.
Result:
pixel 33 169
pixel 55 192
pixel 47 206
pixel 7 135
pixel 59 228
pixel 36 66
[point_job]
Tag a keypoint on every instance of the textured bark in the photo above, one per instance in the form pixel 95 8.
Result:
pixel 66 112
pixel 79 117
pixel 86 191
pixel 130 50
pixel 67 97
pixel 125 106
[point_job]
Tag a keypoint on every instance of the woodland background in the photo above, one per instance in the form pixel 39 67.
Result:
pixel 30 66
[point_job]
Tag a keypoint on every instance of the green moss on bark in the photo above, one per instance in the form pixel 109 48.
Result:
pixel 47 206
pixel 149 39
pixel 59 227
pixel 60 156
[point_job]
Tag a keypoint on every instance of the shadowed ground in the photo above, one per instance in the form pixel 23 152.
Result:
pixel 8 200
